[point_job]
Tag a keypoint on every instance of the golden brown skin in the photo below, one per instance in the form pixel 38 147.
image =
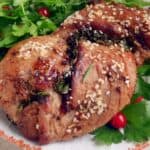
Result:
pixel 103 73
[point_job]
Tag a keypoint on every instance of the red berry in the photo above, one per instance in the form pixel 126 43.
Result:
pixel 43 11
pixel 119 121
pixel 139 99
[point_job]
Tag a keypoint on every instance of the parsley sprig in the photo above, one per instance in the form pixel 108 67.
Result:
pixel 21 20
pixel 131 3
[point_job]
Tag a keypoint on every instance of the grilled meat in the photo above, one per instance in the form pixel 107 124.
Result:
pixel 75 80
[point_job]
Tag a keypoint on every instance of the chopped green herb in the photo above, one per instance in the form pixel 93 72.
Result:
pixel 131 3
pixel 87 72
pixel 41 93
pixel 62 87
pixel 22 20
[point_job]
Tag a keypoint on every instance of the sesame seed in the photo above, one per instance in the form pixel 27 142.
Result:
pixel 37 126
pixel 68 130
pixel 108 93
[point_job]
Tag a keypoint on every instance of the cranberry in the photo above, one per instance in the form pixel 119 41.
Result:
pixel 119 121
pixel 139 99
pixel 43 11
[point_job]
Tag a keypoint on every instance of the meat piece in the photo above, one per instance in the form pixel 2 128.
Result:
pixel 102 84
pixel 118 22
pixel 69 83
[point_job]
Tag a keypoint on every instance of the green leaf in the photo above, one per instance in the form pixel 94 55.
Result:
pixel 133 134
pixel 107 135
pixel 137 129
pixel 25 27
pixel 46 26
pixel 87 72
pixel 55 3
pixel 131 3
pixel 143 88
pixel 41 93
pixel 147 62
pixel 137 114
pixel 144 70
pixel 24 20
pixel 62 87
pixel 6 38
pixel 19 2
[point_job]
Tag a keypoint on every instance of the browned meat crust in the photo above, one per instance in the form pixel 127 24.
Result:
pixel 69 83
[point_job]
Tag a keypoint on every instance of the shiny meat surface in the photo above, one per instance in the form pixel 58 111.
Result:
pixel 75 80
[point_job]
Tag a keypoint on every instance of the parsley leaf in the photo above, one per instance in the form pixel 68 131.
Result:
pixel 143 88
pixel 45 26
pixel 26 27
pixel 138 116
pixel 135 134
pixel 137 129
pixel 131 3
pixel 107 135
pixel 87 72
pixel 144 70
pixel 138 113
pixel 23 19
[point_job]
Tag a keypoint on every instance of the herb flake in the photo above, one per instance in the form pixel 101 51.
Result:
pixel 88 70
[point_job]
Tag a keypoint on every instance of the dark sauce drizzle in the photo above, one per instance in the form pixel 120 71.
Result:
pixel 36 96
pixel 93 35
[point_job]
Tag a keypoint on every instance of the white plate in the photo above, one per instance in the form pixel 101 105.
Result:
pixel 82 143
pixel 12 135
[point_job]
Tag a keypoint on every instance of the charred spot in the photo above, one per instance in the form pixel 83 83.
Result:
pixel 65 106
pixel 128 44
pixel 37 96
pixel 78 128
pixel 108 75
pixel 40 97
pixel 14 53
pixel 12 122
pixel 64 62
pixel 118 89
pixel 58 118
pixel 140 38
pixel 94 35
pixel 123 78
pixel 72 43
pixel 3 52
pixel 63 87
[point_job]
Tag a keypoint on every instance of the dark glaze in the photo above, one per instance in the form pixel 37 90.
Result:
pixel 37 96
pixel 66 80
pixel 93 35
